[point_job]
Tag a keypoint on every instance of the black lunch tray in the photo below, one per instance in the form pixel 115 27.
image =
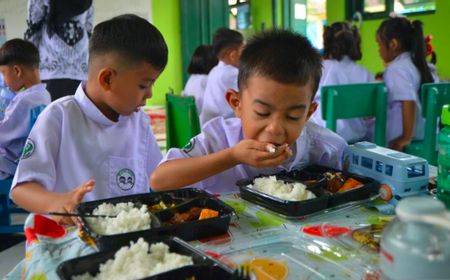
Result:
pixel 204 267
pixel 190 230
pixel 324 199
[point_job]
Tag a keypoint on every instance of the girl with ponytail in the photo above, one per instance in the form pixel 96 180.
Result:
pixel 341 51
pixel 402 47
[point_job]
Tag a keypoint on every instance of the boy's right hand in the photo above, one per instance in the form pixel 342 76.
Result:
pixel 69 200
pixel 260 154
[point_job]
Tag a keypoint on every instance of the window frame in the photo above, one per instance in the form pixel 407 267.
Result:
pixel 353 6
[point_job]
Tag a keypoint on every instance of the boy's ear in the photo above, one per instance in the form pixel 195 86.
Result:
pixel 312 109
pixel 234 100
pixel 17 70
pixel 105 78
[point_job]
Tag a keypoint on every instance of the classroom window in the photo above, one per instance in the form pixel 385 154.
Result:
pixel 389 169
pixel 379 166
pixel 376 9
pixel 415 170
pixel 239 14
pixel 367 162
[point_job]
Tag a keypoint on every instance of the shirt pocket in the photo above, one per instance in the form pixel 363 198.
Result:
pixel 127 176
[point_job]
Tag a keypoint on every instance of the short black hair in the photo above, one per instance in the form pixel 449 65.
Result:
pixel 133 37
pixel 284 56
pixel 340 39
pixel 203 60
pixel 19 51
pixel 225 38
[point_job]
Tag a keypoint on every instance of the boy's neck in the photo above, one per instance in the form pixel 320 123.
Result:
pixel 31 78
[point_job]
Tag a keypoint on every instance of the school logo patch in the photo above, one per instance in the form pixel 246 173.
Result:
pixel 28 149
pixel 125 179
pixel 189 146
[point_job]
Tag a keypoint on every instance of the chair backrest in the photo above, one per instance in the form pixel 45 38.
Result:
pixel 356 101
pixel 182 121
pixel 433 97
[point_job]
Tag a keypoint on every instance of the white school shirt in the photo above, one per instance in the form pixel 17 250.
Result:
pixel 72 142
pixel 16 125
pixel 195 86
pixel 315 145
pixel 221 78
pixel 402 80
pixel 346 71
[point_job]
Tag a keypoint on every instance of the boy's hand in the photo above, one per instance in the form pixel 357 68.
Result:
pixel 259 154
pixel 399 144
pixel 69 200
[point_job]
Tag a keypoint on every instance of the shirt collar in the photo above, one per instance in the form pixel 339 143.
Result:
pixel 90 109
pixel 403 56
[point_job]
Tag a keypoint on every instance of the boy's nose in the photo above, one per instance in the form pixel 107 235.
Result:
pixel 148 94
pixel 275 128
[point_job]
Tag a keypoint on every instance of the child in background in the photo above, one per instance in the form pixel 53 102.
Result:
pixel 202 61
pixel 401 46
pixel 270 132
pixel 101 133
pixel 341 50
pixel 227 46
pixel 19 65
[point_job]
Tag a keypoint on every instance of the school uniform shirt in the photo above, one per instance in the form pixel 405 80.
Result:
pixel 72 142
pixel 315 145
pixel 16 125
pixel 402 80
pixel 345 71
pixel 195 87
pixel 221 78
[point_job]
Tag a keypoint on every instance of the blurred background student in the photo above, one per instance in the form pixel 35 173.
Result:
pixel 61 31
pixel 202 61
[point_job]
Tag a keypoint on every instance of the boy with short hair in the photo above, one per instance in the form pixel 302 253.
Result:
pixel 227 45
pixel 278 76
pixel 19 65
pixel 100 133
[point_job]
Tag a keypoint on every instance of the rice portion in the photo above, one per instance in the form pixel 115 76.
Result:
pixel 128 218
pixel 278 188
pixel 135 262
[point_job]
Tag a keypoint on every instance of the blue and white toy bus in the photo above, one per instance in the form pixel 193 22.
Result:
pixel 400 174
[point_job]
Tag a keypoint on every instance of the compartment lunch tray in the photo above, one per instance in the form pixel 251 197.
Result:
pixel 204 267
pixel 313 177
pixel 190 230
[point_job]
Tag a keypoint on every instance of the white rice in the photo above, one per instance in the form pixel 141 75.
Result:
pixel 278 188
pixel 135 262
pixel 129 218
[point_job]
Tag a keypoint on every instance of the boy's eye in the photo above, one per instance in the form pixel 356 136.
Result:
pixel 261 114
pixel 144 86
pixel 293 118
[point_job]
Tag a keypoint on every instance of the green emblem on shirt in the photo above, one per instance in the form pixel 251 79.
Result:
pixel 125 179
pixel 28 149
pixel 189 146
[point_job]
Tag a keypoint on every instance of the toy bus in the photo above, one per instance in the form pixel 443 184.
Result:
pixel 400 174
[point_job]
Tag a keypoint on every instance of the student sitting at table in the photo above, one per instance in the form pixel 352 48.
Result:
pixel 19 65
pixel 101 133
pixel 270 132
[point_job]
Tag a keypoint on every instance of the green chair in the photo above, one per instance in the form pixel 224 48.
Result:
pixel 356 101
pixel 182 122
pixel 433 96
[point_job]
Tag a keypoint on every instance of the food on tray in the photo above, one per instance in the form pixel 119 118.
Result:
pixel 350 184
pixel 160 206
pixel 289 191
pixel 194 213
pixel 135 262
pixel 208 214
pixel 337 182
pixel 267 269
pixel 127 218
pixel 334 181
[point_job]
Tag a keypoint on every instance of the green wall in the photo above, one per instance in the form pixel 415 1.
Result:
pixel 434 24
pixel 261 13
pixel 166 17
